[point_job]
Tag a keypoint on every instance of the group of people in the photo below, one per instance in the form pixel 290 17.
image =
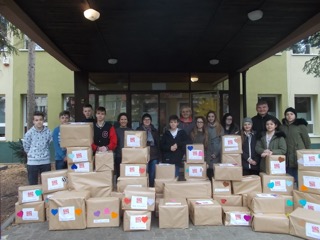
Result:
pixel 262 135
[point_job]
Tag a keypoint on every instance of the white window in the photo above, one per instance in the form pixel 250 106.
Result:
pixel 301 48
pixel 26 44
pixel 2 118
pixel 273 103
pixel 304 107
pixel 69 105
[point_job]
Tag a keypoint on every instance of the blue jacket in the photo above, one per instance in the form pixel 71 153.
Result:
pixel 60 153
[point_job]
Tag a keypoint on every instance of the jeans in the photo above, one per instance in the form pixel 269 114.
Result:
pixel 60 164
pixel 293 172
pixel 117 162
pixel 35 170
pixel 177 173
pixel 152 171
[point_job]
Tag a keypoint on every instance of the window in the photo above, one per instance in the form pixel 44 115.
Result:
pixel 41 105
pixel 26 44
pixel 69 104
pixel 2 117
pixel 272 101
pixel 304 108
pixel 300 48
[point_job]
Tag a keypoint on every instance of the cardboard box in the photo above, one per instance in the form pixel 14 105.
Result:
pixel 236 216
pixel 31 212
pixel 231 144
pixel 173 213
pixel 136 155
pixel 81 167
pixel 308 159
pixel 288 204
pixel 79 154
pixel 248 184
pixel 104 161
pixel 277 184
pixel 159 184
pixel 227 171
pixel 188 189
pixel 46 198
pixel 195 153
pixel 228 200
pixel 233 158
pixel 103 212
pixel 98 183
pixel 135 139
pixel 221 187
pixel 205 212
pixel 68 210
pixel 308 201
pixel 54 181
pixel 133 170
pixel 136 220
pixel 165 171
pixel 309 181
pixel 32 193
pixel 119 196
pixel 138 198
pixel 76 134
pixel 195 171
pixel 276 165
pixel 266 203
pixel 270 223
pixel 156 209
pixel 305 223
pixel 123 182
pixel 244 200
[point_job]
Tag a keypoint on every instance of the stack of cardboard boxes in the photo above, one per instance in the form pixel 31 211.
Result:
pixel 195 166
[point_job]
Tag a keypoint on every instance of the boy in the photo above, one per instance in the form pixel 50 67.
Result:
pixel 36 144
pixel 87 112
pixel 60 153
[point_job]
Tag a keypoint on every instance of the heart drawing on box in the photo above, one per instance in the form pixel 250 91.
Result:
pixel 54 211
pixel 114 215
pixel 142 170
pixel 223 201
pixel 106 211
pixel 20 214
pixel 225 184
pixel 190 148
pixel 289 183
pixel 78 211
pixel 73 167
pixel 303 202
pixel 303 188
pixel 96 213
pixel 127 200
pixel 70 155
pixel 144 219
pixel 247 217
pixel 281 159
pixel 289 203
pixel 270 184
pixel 150 201
pixel 38 192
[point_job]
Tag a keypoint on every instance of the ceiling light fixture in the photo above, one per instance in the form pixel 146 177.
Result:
pixel 194 79
pixel 91 14
pixel 255 15
pixel 112 61
pixel 214 61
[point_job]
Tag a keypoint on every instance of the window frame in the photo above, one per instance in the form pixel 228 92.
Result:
pixel 276 96
pixel 311 122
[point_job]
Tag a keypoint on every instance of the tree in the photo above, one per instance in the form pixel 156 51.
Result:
pixel 7 29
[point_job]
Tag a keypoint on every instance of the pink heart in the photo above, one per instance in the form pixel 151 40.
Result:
pixel 106 211
pixel 201 154
pixel 247 217
pixel 20 214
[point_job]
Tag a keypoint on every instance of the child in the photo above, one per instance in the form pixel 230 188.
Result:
pixel 60 153
pixel 228 124
pixel 87 112
pixel 36 144
pixel 272 142
pixel 199 134
pixel 173 143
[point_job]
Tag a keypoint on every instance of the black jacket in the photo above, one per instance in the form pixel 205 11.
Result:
pixel 154 150
pixel 246 152
pixel 259 123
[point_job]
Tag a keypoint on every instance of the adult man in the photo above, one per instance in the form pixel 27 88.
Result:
pixel 186 122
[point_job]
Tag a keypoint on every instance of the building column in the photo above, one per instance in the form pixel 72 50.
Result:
pixel 234 96
pixel 81 93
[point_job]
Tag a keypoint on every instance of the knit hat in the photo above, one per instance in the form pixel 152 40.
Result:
pixel 247 119
pixel 146 115
pixel 290 109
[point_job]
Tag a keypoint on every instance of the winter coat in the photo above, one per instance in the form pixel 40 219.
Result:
pixel 155 149
pixel 214 146
pixel 246 153
pixel 259 123
pixel 296 137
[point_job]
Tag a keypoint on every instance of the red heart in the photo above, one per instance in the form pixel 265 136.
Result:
pixel 281 159
pixel 226 184
pixel 20 214
pixel 223 201
pixel 144 219
pixel 237 140
pixel 127 200
pixel 142 170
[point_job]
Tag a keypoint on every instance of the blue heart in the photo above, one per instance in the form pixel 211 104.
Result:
pixel 289 203
pixel 190 148
pixel 187 170
pixel 319 156
pixel 73 167
pixel 271 185
pixel 70 155
pixel 303 202
pixel 54 211
pixel 289 183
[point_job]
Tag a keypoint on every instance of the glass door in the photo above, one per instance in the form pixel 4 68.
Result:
pixel 204 102
pixel 114 104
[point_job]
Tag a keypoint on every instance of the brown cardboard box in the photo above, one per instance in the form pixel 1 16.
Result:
pixel 98 183
pixel 244 200
pixel 270 223
pixel 136 220
pixel 195 153
pixel 309 159
pixel 233 158
pixel 159 195
pixel 118 195
pixel 288 204
pixel 251 183
pixel 138 198
pixel 205 212
pixel 79 154
pixel 305 223
pixel 231 144
pixel 308 201
pixel 68 210
pixel 277 184
pixel 135 139
pixel 173 213
pixel 159 184
pixel 227 171
pixel 53 181
pixel 123 182
pixel 156 208
pixel 276 165
pixel 195 171
pixel 309 181
pixel 133 170
pixel 136 155
pixel 77 134
pixel 188 189
pixel 81 167
pixel 236 216
pixel 228 200
pixel 104 161
pixel 31 212
pixel 46 198
pixel 32 193
pixel 103 212
pixel 266 203
pixel 221 187
pixel 165 171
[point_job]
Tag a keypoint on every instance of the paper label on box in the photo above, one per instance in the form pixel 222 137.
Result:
pixel 138 222
pixel 132 171
pixel 30 214
pixel 80 156
pixel 136 185
pixel 82 167
pixel 230 142
pixel 238 219
pixel 279 185
pixel 312 206
pixel 266 195
pixel 226 165
pixel 66 214
pixel 195 154
pixel 101 220
pixel 221 190
pixel 312 160
pixel 55 183
pixel 173 203
pixel 313 230
pixel 138 202
pixel 133 141
pixel 277 167
pixel 30 196
pixel 204 202
pixel 311 182
pixel 195 171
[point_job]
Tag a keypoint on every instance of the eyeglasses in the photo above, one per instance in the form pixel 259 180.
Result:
pixel 229 119
pixel 200 122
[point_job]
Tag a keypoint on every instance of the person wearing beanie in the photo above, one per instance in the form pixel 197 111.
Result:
pixel 297 138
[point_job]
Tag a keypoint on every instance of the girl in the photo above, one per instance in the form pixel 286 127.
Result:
pixel 199 133
pixel 229 126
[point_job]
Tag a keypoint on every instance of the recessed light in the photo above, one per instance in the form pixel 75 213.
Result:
pixel 214 61
pixel 91 14
pixel 112 61
pixel 255 15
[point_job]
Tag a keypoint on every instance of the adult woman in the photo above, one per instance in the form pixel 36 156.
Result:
pixel 229 126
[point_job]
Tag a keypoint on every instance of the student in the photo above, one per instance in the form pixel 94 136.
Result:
pixel 199 133
pixel 105 137
pixel 36 144
pixel 87 111
pixel 186 122
pixel 173 144
pixel 272 142
pixel 154 144
pixel 297 138
pixel 228 124
pixel 60 153
pixel 250 159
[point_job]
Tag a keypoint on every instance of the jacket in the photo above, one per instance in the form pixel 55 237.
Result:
pixel 249 151
pixel 155 149
pixel 259 123
pixel 214 146
pixel 59 153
